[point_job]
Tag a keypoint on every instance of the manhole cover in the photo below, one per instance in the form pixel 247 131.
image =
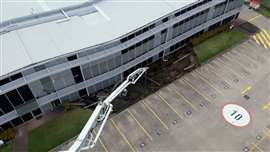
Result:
pixel 245 149
pixel 158 133
pixel 142 145
pixel 259 137
pixel 246 97
pixel 188 113
pixel 201 105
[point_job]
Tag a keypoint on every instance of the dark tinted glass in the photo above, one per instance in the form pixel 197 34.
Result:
pixel 37 112
pixel 83 92
pixel 5 105
pixel 26 93
pixel 17 121
pixel 27 117
pixel 15 98
pixel 16 76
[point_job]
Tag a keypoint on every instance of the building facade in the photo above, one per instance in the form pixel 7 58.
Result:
pixel 31 91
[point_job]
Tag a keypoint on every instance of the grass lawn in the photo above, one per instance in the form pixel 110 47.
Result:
pixel 57 131
pixel 263 10
pixel 218 43
pixel 7 148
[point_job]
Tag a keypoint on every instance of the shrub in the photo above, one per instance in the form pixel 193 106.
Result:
pixel 8 134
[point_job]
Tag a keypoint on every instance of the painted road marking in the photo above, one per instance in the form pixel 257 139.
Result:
pixel 101 142
pixel 236 115
pixel 266 106
pixel 254 145
pixel 199 92
pixel 210 68
pixel 229 69
pixel 140 125
pixel 248 88
pixel 261 40
pixel 123 136
pixel 182 96
pixel 254 18
pixel 266 33
pixel 257 147
pixel 208 82
pixel 170 106
pixel 155 114
pixel 255 38
pixel 265 39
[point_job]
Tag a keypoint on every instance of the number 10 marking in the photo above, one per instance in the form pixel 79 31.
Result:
pixel 238 116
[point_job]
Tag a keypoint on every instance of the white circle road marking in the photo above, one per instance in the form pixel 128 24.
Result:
pixel 236 115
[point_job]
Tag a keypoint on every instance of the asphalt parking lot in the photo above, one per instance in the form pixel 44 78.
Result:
pixel 186 115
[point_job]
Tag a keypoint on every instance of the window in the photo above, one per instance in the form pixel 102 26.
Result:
pixel 152 26
pixel 124 51
pixel 73 57
pixel 123 40
pixel 175 25
pixel 160 55
pixel 77 74
pixel 132 47
pixel 189 8
pixel 16 76
pixel 27 117
pixel 152 37
pixel 145 29
pixel 26 93
pixel 171 48
pixel 36 112
pixel 165 19
pixel 177 14
pixel 17 121
pixel 138 33
pixel 144 41
pixel 126 73
pixel 39 68
pixel 150 60
pixel 83 93
pixel 15 98
pixel 5 104
pixel 131 36
pixel 1 112
pixel 6 126
pixel 163 31
pixel 4 81
pixel 138 44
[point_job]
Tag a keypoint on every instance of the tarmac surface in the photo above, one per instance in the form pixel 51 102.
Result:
pixel 186 114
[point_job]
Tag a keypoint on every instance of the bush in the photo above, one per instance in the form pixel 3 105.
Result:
pixel 67 106
pixel 8 134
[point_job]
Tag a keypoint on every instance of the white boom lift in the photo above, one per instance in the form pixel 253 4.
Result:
pixel 86 138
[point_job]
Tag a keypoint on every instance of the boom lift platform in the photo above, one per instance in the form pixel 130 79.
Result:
pixel 87 139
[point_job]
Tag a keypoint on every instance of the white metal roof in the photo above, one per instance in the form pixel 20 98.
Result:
pixel 113 18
